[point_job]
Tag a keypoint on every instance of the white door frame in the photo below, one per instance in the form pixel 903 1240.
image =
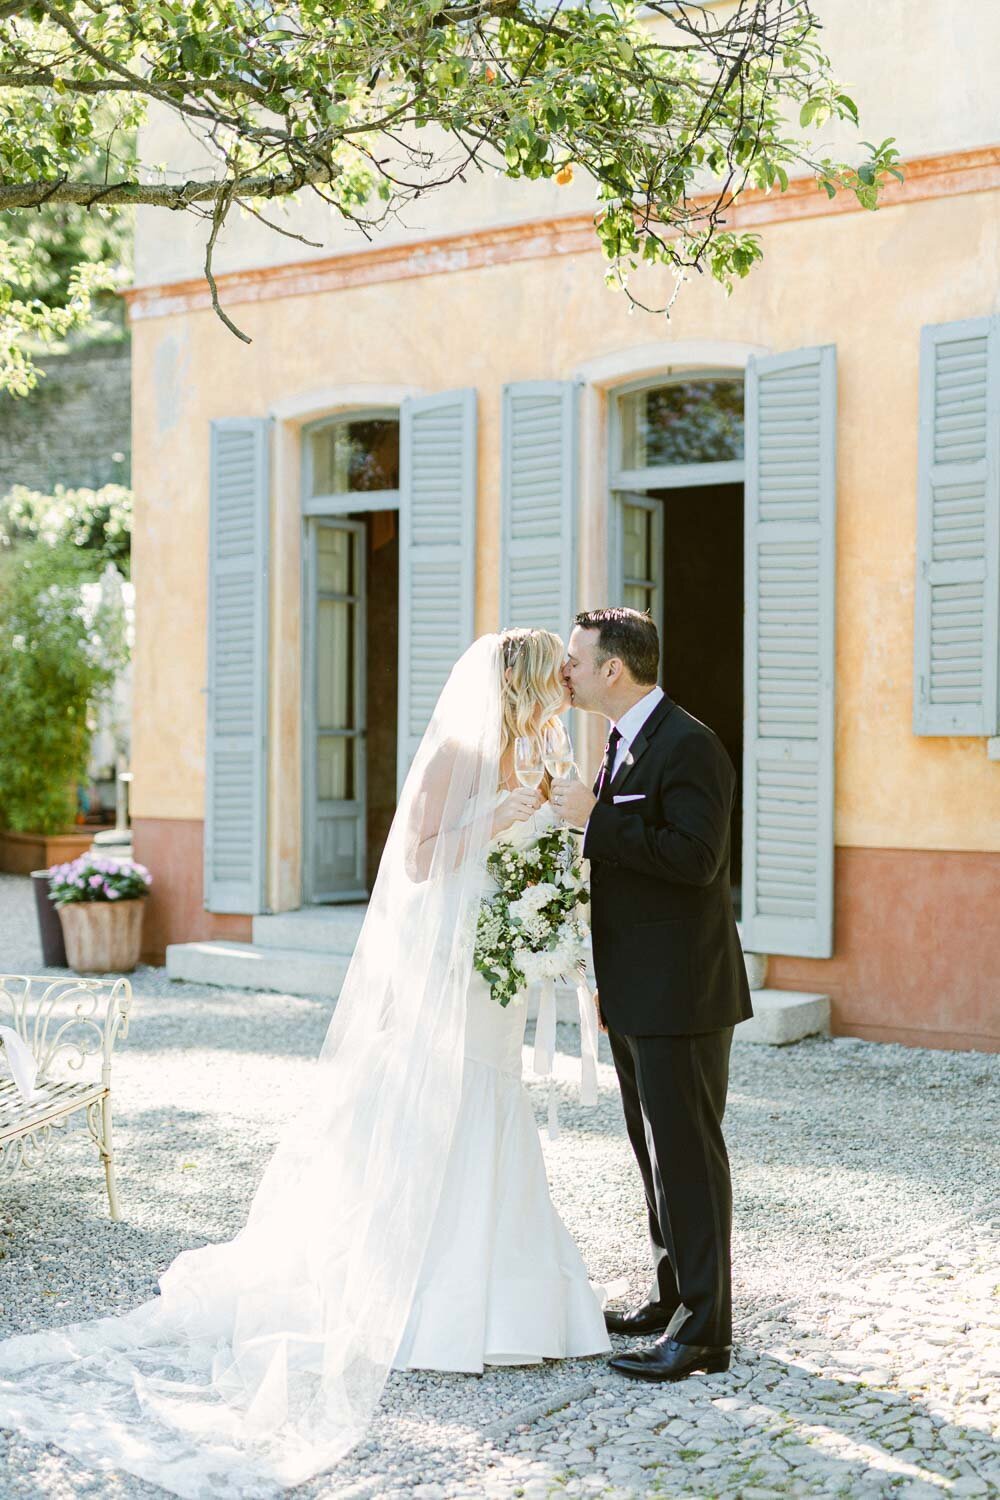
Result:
pixel 285 790
pixel 338 506
pixel 620 481
pixel 602 378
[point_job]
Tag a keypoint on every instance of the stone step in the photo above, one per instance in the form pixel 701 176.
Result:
pixel 292 971
pixel 782 1016
pixel 314 929
pixel 250 966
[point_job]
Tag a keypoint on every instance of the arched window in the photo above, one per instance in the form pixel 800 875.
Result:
pixel 691 419
pixel 355 453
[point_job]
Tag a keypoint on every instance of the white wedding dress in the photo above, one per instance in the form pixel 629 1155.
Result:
pixel 403 1221
pixel 502 1282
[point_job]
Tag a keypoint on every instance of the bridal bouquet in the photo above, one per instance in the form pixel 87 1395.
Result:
pixel 534 926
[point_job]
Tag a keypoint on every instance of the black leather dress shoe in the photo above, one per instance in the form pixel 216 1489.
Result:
pixel 651 1317
pixel 669 1360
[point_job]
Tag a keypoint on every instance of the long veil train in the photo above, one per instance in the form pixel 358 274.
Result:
pixel 262 1360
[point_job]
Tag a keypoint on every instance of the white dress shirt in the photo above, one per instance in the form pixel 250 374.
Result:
pixel 631 722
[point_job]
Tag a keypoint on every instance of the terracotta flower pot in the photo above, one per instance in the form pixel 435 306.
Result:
pixel 102 937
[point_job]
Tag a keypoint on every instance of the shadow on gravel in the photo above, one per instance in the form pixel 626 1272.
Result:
pixel 181 1018
pixel 837 1435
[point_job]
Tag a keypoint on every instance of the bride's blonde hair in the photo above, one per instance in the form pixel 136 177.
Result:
pixel 532 693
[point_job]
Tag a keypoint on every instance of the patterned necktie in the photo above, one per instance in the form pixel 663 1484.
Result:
pixel 608 766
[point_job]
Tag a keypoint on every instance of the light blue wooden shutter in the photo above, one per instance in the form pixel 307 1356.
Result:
pixel 438 553
pixel 957 599
pixel 236 749
pixel 538 505
pixel 789 649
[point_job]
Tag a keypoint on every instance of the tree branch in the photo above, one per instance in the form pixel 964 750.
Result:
pixel 158 195
pixel 222 206
pixel 46 78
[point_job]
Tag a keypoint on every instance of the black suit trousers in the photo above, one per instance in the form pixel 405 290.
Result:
pixel 674 1094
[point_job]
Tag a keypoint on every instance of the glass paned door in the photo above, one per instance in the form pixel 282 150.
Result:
pixel 641 552
pixel 335 758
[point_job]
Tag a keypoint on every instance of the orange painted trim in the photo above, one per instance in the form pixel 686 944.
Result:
pixel 944 176
pixel 914 948
pixel 536 240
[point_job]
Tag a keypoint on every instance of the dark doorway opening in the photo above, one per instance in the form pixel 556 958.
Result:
pixel 703 621
pixel 382 679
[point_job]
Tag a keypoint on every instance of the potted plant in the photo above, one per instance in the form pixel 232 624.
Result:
pixel 100 905
pixel 59 653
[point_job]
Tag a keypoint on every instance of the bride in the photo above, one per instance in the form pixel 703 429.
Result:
pixel 404 1220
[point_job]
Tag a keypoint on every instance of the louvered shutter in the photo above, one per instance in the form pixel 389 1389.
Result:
pixel 789 676
pixel 538 505
pixel 236 749
pixel 957 599
pixel 438 553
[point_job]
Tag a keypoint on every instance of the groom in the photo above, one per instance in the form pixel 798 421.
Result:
pixel 670 975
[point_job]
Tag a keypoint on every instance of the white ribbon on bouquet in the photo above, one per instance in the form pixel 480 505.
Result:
pixel 545 1046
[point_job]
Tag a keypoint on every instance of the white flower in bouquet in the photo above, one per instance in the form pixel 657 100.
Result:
pixel 538 928
pixel 533 925
pixel 534 898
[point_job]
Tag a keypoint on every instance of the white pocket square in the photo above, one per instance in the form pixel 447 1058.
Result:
pixel 630 797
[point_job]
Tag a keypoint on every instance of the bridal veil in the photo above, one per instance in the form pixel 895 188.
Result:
pixel 262 1360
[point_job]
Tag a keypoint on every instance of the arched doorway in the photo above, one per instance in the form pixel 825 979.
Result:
pixel 677 539
pixel 350 503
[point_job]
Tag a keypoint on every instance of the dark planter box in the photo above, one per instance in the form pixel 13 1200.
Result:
pixel 49 925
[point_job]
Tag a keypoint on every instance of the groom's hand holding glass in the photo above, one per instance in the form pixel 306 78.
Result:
pixel 572 801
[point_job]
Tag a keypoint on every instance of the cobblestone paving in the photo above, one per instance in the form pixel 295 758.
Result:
pixel 884 1384
pixel 865 1267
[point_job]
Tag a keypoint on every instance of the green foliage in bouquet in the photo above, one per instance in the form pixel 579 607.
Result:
pixel 533 927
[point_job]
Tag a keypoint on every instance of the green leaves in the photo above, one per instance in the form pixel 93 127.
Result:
pixel 337 97
pixel 814 111
pixel 57 655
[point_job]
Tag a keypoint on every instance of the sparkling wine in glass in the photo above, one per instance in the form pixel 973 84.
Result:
pixel 557 751
pixel 528 761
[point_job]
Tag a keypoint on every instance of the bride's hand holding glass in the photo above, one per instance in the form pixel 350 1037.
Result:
pixel 527 799
pixel 517 808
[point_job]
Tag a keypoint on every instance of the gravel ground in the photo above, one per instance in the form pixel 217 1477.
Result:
pixel 865 1265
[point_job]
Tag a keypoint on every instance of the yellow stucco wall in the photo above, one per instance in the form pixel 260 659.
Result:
pixel 866 283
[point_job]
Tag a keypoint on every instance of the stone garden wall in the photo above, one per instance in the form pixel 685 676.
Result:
pixel 75 427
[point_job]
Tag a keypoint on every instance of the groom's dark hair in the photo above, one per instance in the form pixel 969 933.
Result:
pixel 628 634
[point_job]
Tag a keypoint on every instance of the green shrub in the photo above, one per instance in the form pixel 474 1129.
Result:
pixel 99 521
pixel 57 656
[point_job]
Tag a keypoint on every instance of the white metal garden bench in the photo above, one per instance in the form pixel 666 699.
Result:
pixel 66 1024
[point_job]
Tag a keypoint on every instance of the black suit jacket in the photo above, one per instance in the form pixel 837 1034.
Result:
pixel 667 953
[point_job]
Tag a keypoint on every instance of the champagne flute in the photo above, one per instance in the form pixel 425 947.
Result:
pixel 528 761
pixel 557 751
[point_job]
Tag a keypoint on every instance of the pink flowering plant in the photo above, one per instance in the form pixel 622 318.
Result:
pixel 91 878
